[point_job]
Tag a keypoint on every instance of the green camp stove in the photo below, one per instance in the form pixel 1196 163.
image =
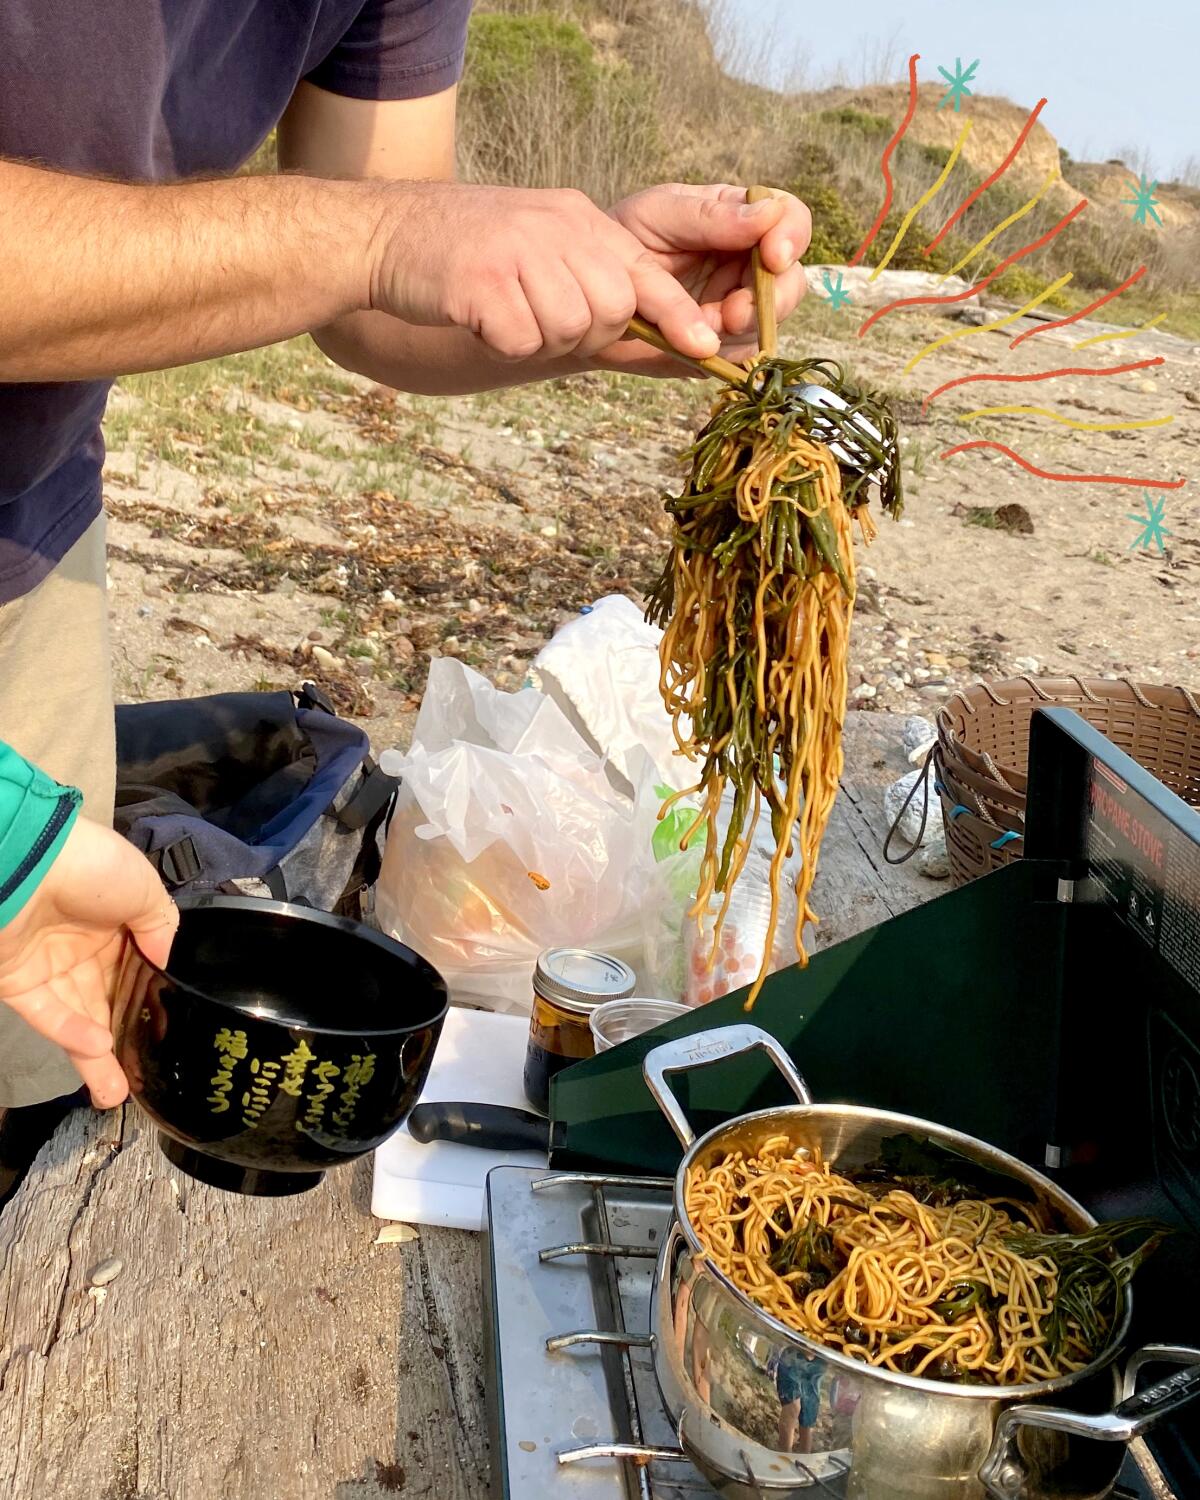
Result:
pixel 1051 1007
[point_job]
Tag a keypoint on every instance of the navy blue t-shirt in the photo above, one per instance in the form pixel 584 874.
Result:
pixel 156 91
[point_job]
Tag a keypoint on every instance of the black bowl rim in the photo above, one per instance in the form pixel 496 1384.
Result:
pixel 322 919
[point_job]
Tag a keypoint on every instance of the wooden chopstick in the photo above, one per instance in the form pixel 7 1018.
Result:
pixel 764 306
pixel 764 288
pixel 723 369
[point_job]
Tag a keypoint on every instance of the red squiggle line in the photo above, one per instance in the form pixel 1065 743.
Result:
pixel 1139 364
pixel 979 285
pixel 1083 311
pixel 1146 484
pixel 987 182
pixel 887 156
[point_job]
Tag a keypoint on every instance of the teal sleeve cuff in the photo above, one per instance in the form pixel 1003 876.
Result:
pixel 36 815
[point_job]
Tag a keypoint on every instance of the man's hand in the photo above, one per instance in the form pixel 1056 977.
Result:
pixel 60 956
pixel 536 274
pixel 703 237
pixel 547 275
pixel 697 236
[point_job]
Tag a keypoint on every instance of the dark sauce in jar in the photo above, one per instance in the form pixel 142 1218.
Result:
pixel 568 984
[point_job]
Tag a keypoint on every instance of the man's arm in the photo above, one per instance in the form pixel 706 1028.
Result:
pixel 679 230
pixel 336 137
pixel 101 278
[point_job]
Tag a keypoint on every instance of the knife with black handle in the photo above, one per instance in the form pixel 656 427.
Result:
pixel 492 1127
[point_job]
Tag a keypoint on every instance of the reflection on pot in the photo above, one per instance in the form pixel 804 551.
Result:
pixel 798 1381
pixel 917 1447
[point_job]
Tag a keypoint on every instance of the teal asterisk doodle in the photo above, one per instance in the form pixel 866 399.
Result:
pixel 838 295
pixel 1151 529
pixel 958 81
pixel 1143 201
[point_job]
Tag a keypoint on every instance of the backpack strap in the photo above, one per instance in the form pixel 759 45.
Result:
pixel 374 791
pixel 368 809
pixel 176 863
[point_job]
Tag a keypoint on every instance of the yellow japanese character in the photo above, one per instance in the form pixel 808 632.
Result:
pixel 232 1042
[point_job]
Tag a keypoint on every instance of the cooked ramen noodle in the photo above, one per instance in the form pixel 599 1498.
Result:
pixel 755 605
pixel 964 1290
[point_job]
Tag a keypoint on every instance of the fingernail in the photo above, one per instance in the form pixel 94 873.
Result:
pixel 705 336
pixel 748 210
pixel 788 251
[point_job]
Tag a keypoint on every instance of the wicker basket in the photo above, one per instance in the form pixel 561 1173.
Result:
pixel 982 755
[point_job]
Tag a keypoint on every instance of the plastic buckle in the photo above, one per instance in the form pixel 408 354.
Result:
pixel 178 862
pixel 310 696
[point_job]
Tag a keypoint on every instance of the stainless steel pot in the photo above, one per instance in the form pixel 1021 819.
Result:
pixel 746 1392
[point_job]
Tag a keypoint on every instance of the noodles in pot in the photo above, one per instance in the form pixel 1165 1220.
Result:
pixel 755 605
pixel 966 1290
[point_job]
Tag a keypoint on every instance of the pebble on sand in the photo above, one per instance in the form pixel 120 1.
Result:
pixel 934 862
pixel 106 1270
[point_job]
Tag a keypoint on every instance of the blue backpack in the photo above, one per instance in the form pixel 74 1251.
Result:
pixel 259 793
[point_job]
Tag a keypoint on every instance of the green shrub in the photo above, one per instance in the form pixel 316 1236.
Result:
pixel 538 108
pixel 1000 200
pixel 949 253
pixel 506 54
pixel 938 155
pixel 858 120
pixel 908 257
pixel 814 163
pixel 1020 285
pixel 1086 249
pixel 837 230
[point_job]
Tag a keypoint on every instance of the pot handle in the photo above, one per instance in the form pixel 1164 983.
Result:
pixel 1003 1472
pixel 698 1051
pixel 1152 1354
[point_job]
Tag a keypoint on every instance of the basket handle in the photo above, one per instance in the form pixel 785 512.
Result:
pixel 923 782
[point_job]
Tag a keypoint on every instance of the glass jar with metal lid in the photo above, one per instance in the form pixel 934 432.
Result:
pixel 568 984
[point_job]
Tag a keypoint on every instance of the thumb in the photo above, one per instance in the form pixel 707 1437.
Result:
pixel 713 224
pixel 154 925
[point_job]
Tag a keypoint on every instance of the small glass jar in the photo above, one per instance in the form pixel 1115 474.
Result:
pixel 618 1021
pixel 568 985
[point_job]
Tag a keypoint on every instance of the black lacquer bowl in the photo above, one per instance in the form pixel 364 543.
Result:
pixel 280 1041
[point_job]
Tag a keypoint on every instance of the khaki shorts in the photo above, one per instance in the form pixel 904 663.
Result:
pixel 56 709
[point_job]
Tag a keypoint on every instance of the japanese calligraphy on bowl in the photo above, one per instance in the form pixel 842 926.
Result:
pixel 279 1042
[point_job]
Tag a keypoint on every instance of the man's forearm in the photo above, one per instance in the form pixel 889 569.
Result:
pixel 431 361
pixel 99 278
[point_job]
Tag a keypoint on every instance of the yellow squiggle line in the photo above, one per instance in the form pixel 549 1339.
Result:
pixel 1043 411
pixel 1051 177
pixel 907 222
pixel 1102 338
pixel 965 333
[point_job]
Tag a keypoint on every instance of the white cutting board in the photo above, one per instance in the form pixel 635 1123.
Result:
pixel 480 1058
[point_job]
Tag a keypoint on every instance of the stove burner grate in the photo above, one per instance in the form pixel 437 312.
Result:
pixel 582 1302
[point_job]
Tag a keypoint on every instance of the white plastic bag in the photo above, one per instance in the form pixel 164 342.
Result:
pixel 602 670
pixel 509 837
